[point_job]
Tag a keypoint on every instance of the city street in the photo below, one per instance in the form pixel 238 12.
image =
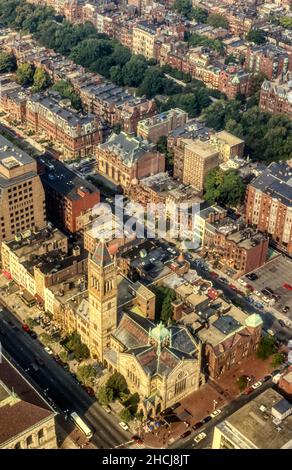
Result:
pixel 56 384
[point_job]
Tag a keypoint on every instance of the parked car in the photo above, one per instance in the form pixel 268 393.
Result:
pixel 286 309
pixel 282 323
pixel 175 406
pixel 124 426
pixel 107 409
pixel 223 280
pixel 25 327
pixel 215 413
pixel 252 276
pixel 90 391
pixel 200 437
pixel 197 425
pixel 207 419
pixel 257 385
pixel 35 367
pixel 137 439
pixel 48 350
pixel 186 434
pixel 266 378
pixel 32 334
pixel 248 390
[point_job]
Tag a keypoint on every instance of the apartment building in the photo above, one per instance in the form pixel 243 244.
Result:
pixel 193 159
pixel 229 242
pixel 161 124
pixel 123 159
pixel 76 134
pixel 228 145
pixel 276 97
pixel 144 36
pixel 268 205
pixel 22 196
pixel 27 420
pixel 67 195
pixel 273 61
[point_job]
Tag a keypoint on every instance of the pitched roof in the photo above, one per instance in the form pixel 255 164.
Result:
pixel 101 256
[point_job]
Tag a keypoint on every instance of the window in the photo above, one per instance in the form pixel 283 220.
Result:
pixel 29 441
pixel 17 445
pixel 40 434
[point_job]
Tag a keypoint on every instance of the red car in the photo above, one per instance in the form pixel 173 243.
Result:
pixel 232 286
pixel 248 390
pixel 25 327
pixel 137 439
pixel 213 274
pixel 287 286
pixel 90 391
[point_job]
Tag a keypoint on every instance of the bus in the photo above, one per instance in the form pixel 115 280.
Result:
pixel 80 424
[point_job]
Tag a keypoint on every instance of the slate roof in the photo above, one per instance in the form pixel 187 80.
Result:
pixel 101 256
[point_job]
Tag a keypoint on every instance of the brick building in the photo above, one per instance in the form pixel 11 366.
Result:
pixel 230 243
pixel 76 134
pixel 269 204
pixel 123 159
pixel 269 59
pixel 276 97
pixel 67 195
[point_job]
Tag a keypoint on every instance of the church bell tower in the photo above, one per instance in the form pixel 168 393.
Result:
pixel 102 298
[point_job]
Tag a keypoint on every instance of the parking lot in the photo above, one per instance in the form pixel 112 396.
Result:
pixel 274 275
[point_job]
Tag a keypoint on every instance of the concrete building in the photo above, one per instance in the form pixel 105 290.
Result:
pixel 67 195
pixel 27 421
pixel 22 196
pixel 263 423
pixel 123 159
pixel 268 205
pixel 193 160
pixel 161 124
pixel 228 145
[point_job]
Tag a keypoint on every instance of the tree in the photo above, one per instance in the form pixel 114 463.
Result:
pixel 121 55
pixel 153 82
pixel 90 50
pixel 86 373
pixel 134 70
pixel 41 80
pixel 167 309
pixel 200 15
pixel 66 90
pixel 242 382
pixel 105 395
pixel 125 415
pixel 226 188
pixel 46 339
pixel 184 7
pixel 217 21
pixel 25 74
pixel 257 36
pixel 7 62
pixel 266 347
pixel 118 384
pixel 116 75
pixel 277 360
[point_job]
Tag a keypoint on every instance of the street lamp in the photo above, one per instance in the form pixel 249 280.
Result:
pixel 215 403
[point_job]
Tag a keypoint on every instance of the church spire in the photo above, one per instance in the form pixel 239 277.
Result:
pixel 102 256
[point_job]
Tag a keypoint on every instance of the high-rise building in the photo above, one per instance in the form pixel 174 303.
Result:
pixel 194 160
pixel 22 197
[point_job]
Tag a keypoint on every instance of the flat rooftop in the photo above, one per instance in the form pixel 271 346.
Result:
pixel 255 423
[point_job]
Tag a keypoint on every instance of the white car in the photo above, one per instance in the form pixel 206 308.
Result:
pixel 257 385
pixel 242 281
pixel 215 413
pixel 124 426
pixel 257 293
pixel 200 437
pixel 48 350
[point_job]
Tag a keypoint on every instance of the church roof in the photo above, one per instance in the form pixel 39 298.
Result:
pixel 101 256
pixel 157 348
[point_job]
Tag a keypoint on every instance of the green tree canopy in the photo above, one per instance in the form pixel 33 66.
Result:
pixel 224 187
pixel 184 7
pixel 7 62
pixel 105 395
pixel 242 382
pixel 125 415
pixel 266 347
pixel 118 384
pixel 66 90
pixel 277 360
pixel 86 373
pixel 41 80
pixel 25 74
pixel 217 21
pixel 134 70
pixel 257 36
pixel 199 14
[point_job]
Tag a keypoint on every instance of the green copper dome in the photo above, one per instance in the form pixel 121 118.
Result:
pixel 159 333
pixel 254 320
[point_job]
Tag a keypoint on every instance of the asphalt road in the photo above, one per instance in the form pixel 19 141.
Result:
pixel 57 385
pixel 269 321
